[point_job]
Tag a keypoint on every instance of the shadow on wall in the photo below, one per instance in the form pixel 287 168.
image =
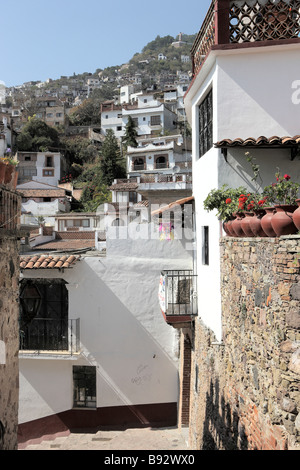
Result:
pixel 222 431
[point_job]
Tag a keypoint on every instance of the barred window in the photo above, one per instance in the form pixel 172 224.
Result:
pixel 84 387
pixel 205 125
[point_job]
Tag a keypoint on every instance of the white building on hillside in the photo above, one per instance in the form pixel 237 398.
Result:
pixel 150 116
pixel 45 167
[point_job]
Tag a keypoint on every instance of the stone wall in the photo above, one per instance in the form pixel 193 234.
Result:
pixel 245 392
pixel 9 325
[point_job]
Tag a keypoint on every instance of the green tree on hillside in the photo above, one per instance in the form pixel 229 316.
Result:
pixel 111 163
pixel 131 134
pixel 86 114
pixel 37 136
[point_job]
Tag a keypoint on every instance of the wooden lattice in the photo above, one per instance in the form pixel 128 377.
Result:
pixel 264 20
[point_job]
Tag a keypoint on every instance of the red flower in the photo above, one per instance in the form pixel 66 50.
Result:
pixel 287 177
pixel 228 200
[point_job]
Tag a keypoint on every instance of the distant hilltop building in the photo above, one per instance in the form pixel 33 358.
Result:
pixel 180 42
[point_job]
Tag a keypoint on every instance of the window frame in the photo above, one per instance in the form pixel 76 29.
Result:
pixel 83 374
pixel 205 124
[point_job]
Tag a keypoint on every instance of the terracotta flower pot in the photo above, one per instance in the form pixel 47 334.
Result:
pixel 236 225
pixel 296 215
pixel 255 223
pixel 229 227
pixel 266 222
pixel 282 221
pixel 226 229
pixel 245 224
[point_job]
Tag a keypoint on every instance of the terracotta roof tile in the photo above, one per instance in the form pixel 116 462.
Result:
pixel 262 140
pixel 46 261
pixel 179 202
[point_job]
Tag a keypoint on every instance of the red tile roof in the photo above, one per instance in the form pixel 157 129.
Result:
pixel 47 261
pixel 260 141
pixel 179 202
pixel 66 245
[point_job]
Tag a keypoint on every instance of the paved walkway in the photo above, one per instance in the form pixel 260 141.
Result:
pixel 129 439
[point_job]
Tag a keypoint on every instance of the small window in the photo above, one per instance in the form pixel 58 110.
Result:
pixel 84 387
pixel 132 196
pixel 138 164
pixel 155 120
pixel 27 158
pixel 49 161
pixel 48 172
pixel 205 245
pixel 161 162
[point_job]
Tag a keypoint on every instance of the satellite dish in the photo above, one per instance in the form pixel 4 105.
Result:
pixel 176 169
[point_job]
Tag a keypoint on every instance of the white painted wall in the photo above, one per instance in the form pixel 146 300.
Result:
pixel 252 96
pixel 46 208
pixel 122 331
pixel 40 166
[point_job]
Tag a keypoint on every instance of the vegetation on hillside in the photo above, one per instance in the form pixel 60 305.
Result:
pixel 92 168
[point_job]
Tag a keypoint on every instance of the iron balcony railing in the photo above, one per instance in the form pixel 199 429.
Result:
pixel 47 334
pixel 178 292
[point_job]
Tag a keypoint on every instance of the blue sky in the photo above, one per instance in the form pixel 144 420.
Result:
pixel 46 39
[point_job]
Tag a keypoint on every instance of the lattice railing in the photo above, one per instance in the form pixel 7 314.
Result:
pixel 239 21
pixel 205 39
pixel 263 20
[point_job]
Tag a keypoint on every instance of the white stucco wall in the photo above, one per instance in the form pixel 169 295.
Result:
pixel 253 95
pixel 122 331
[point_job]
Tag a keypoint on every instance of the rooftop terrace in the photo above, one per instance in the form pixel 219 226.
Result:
pixel 246 21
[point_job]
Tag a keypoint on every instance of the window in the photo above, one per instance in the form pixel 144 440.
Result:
pixel 44 315
pixel 155 120
pixel 205 246
pixel 84 387
pixel 48 172
pixel 77 222
pixel 49 161
pixel 27 158
pixel 161 162
pixel 119 128
pixel 132 196
pixel 138 164
pixel 28 172
pixel 205 125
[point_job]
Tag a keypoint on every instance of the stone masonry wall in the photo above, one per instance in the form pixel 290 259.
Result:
pixel 245 392
pixel 9 341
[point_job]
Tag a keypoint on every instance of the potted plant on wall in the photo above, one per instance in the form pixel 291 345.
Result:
pixel 283 194
pixel 8 173
pixel 225 201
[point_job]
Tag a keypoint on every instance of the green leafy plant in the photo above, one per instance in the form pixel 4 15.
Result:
pixel 284 191
pixel 225 200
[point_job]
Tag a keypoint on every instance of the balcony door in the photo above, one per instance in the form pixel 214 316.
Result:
pixel 44 315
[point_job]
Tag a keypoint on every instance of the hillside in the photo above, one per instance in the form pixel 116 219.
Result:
pixel 145 62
